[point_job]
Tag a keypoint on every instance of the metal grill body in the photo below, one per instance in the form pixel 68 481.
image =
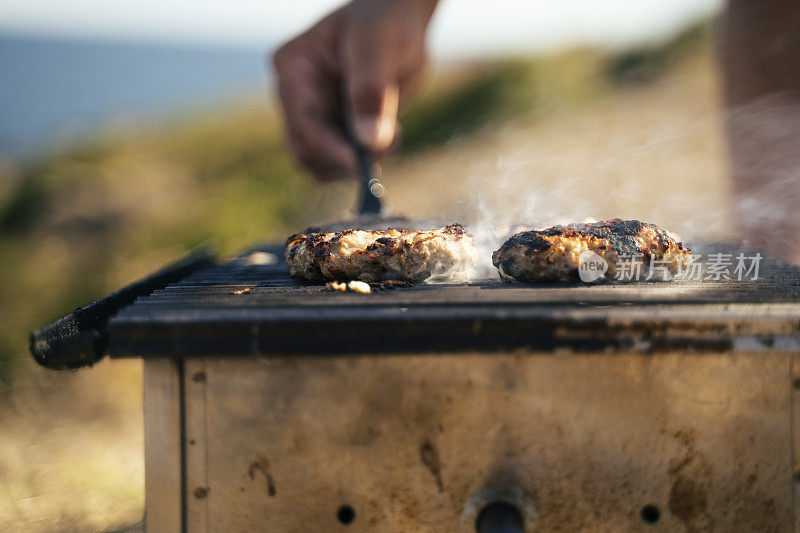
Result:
pixel 276 406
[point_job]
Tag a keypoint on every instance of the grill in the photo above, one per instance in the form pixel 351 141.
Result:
pixel 271 404
pixel 202 314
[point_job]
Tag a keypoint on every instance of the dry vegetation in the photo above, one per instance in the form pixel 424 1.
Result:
pixel 569 136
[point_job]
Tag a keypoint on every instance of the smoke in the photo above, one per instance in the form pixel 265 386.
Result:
pixel 669 171
pixel 765 155
pixel 507 204
pixel 688 173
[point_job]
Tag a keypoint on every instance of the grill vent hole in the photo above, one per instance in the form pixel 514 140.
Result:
pixel 346 514
pixel 650 514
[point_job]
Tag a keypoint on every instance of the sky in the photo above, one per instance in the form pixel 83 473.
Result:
pixel 59 88
pixel 460 28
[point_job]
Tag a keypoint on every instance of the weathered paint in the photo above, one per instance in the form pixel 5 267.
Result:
pixel 410 441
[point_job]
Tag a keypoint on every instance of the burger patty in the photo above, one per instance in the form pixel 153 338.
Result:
pixel 380 255
pixel 553 254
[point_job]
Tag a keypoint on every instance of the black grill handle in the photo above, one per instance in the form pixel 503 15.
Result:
pixel 81 339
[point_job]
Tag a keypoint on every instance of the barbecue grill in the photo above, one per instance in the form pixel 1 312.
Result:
pixel 279 406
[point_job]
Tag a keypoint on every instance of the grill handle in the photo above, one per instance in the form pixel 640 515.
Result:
pixel 81 339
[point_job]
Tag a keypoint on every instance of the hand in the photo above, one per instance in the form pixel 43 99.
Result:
pixel 350 72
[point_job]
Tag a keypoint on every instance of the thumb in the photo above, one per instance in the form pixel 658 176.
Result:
pixel 372 97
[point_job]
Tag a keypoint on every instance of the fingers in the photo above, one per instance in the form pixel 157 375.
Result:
pixel 311 112
pixel 371 91
pixel 374 114
pixel 345 77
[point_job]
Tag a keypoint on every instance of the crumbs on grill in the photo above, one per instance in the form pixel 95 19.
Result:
pixel 243 291
pixel 349 286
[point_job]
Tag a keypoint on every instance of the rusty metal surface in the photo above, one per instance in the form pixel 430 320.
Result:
pixel 408 441
pixel 240 308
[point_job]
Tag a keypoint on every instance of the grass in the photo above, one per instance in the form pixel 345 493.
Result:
pixel 500 91
pixel 83 221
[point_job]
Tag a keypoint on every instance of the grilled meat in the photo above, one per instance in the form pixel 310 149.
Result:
pixel 381 255
pixel 553 254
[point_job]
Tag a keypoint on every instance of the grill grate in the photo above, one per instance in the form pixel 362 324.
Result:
pixel 202 315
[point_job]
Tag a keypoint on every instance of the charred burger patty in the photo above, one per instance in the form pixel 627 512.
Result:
pixel 553 254
pixel 380 255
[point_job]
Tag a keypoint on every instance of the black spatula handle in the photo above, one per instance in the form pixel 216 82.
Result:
pixel 371 187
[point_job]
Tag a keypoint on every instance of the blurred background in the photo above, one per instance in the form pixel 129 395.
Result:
pixel 132 131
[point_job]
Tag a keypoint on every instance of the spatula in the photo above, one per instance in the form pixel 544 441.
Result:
pixel 372 189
